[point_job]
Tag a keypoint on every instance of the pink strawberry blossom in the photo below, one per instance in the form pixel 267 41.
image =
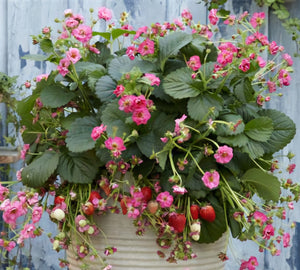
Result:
pixel 245 65
pixel 63 66
pixel 119 90
pixel 179 190
pixel 73 55
pixel 37 212
pixel 286 240
pixel 211 179
pixel 97 132
pixel 284 77
pixel 141 116
pixel 288 59
pixel 165 199
pixel 194 62
pixel 257 19
pixel 224 154
pixel 153 79
pixel 146 47
pixel 104 13
pixel 260 218
pixel 82 33
pixel 116 145
pixel 268 231
pixel 212 16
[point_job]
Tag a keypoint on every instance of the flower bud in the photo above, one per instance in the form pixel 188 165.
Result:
pixel 55 244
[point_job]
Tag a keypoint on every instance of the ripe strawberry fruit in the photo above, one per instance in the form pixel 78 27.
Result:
pixel 152 206
pixel 147 193
pixel 207 213
pixel 94 195
pixel 194 209
pixel 59 199
pixel 177 221
pixel 88 208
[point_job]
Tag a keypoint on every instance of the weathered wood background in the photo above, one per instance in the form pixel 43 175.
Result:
pixel 19 19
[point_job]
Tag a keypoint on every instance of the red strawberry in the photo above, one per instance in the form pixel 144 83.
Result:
pixel 207 213
pixel 195 211
pixel 147 193
pixel 88 208
pixel 94 195
pixel 152 206
pixel 59 199
pixel 177 221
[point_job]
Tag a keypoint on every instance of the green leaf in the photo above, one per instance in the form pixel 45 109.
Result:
pixel 171 44
pixel 205 106
pixel 79 168
pixel 244 90
pixel 115 33
pixel 35 57
pixel 121 65
pixel 46 45
pixel 56 95
pixel 254 149
pixel 266 184
pixel 105 87
pixel 150 141
pixel 284 130
pixel 259 129
pixel 179 84
pixel 227 129
pixel 163 154
pixel 105 35
pixel 79 135
pixel 238 140
pixel 38 172
pixel 115 120
pixel 89 67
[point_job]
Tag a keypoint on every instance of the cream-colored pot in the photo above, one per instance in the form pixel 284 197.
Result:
pixel 140 252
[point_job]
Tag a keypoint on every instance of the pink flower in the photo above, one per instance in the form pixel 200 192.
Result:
pixel 284 77
pixel 288 59
pixel 179 190
pixel 271 86
pixel 178 124
pixel 63 66
pixel 291 168
pixel 245 65
pixel 153 79
pixel 108 267
pixel 257 19
pixel 104 13
pixel 116 145
pixel 224 154
pixel 127 27
pixel 291 205
pixel 131 51
pixel 260 218
pixel 194 62
pixel 141 116
pixel 268 231
pixel 27 232
pixel 24 150
pixel 97 132
pixel 82 33
pixel 41 76
pixel 213 16
pixel 186 16
pixel 146 47
pixel 230 20
pixel 37 212
pixel 273 47
pixel 73 55
pixel 119 90
pixel 262 38
pixel 93 49
pixel 8 245
pixel 261 62
pixel 71 23
pixel 140 31
pixel 165 199
pixel 252 262
pixel 126 103
pixel 286 240
pixel 211 179
pixel 4 192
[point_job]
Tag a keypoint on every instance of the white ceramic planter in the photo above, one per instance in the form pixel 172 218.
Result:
pixel 140 252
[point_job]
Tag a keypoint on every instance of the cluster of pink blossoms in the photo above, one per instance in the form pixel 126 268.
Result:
pixel 25 203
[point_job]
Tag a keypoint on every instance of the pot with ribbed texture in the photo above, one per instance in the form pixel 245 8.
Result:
pixel 140 252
